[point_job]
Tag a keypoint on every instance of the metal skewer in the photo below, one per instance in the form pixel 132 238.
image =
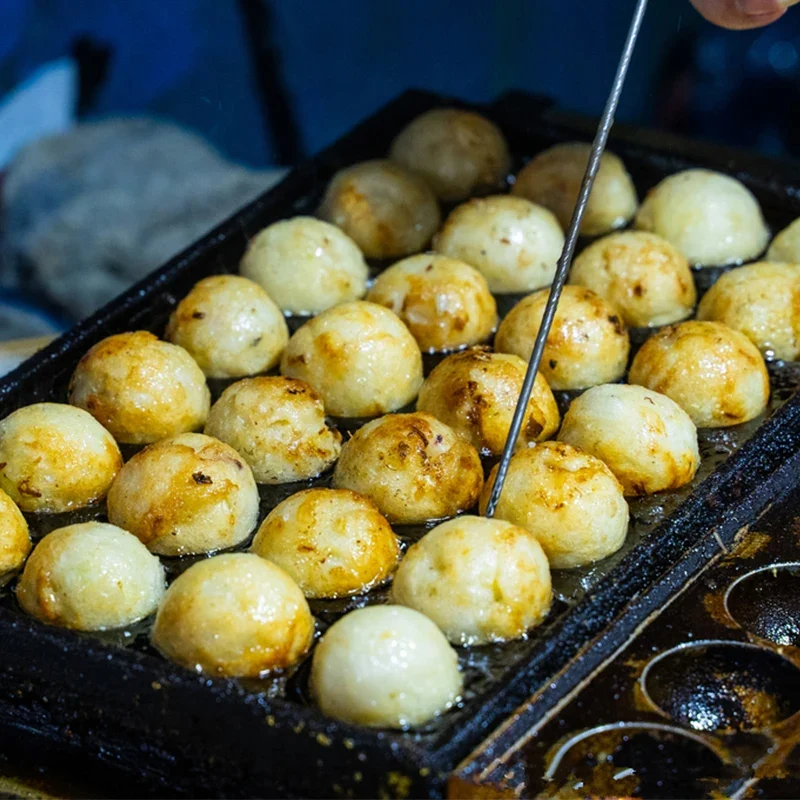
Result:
pixel 564 263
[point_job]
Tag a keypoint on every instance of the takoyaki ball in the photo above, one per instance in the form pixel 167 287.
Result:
pixel 385 667
pixel 647 440
pixel 553 179
pixel 184 495
pixel 388 211
pixel 458 153
pixel 639 273
pixel 55 457
pixel 91 577
pixel 568 499
pixel 445 303
pixel 588 343
pixel 230 326
pixel 412 466
pixel 476 391
pixel 15 543
pixel 714 373
pixel 762 301
pixel 359 357
pixel 278 427
pixel 480 580
pixel 306 265
pixel 785 247
pixel 233 615
pixel 333 542
pixel 512 242
pixel 140 388
pixel 711 218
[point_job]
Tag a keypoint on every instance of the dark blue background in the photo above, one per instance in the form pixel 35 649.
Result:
pixel 189 60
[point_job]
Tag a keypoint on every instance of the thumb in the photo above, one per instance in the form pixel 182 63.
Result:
pixel 742 14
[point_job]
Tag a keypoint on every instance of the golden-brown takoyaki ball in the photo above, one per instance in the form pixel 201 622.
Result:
pixel 15 543
pixel 278 427
pixel 711 218
pixel 553 179
pixel 714 373
pixel 55 457
pixel 643 275
pixel 333 542
pixel 476 391
pixel 91 576
pixel 184 495
pixel 785 247
pixel 514 243
pixel 480 580
pixel 306 265
pixel 385 667
pixel 388 211
pixel 458 153
pixel 445 303
pixel 568 499
pixel 230 326
pixel 360 357
pixel 140 388
pixel 588 343
pixel 647 440
pixel 762 301
pixel 234 615
pixel 412 466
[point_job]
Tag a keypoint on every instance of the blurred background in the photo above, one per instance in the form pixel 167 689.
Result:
pixel 170 114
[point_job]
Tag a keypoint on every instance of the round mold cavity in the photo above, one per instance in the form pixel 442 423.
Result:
pixel 723 686
pixel 766 603
pixel 638 759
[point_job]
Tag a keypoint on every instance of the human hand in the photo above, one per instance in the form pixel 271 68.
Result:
pixel 742 14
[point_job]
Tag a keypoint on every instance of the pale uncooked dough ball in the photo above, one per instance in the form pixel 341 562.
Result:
pixel 639 273
pixel 278 426
pixel 306 265
pixel 568 499
pixel 475 392
pixel 785 247
pixel 762 301
pixel 458 153
pixel 480 580
pixel 588 343
pixel 140 388
pixel 360 357
pixel 647 440
pixel 514 243
pixel 333 542
pixel 385 667
pixel 230 326
pixel 714 373
pixel 445 303
pixel 54 458
pixel 388 211
pixel 553 179
pixel 711 218
pixel 15 543
pixel 234 615
pixel 412 466
pixel 91 577
pixel 188 494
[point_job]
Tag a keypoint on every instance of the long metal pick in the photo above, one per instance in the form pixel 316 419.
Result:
pixel 564 263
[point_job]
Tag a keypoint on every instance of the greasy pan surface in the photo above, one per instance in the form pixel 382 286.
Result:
pixel 181 733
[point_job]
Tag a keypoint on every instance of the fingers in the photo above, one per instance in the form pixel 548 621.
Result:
pixel 742 14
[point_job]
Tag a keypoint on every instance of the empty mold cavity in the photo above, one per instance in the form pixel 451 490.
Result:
pixel 637 760
pixel 766 603
pixel 723 686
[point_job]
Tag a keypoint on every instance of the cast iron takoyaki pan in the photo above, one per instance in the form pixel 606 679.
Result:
pixel 172 732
